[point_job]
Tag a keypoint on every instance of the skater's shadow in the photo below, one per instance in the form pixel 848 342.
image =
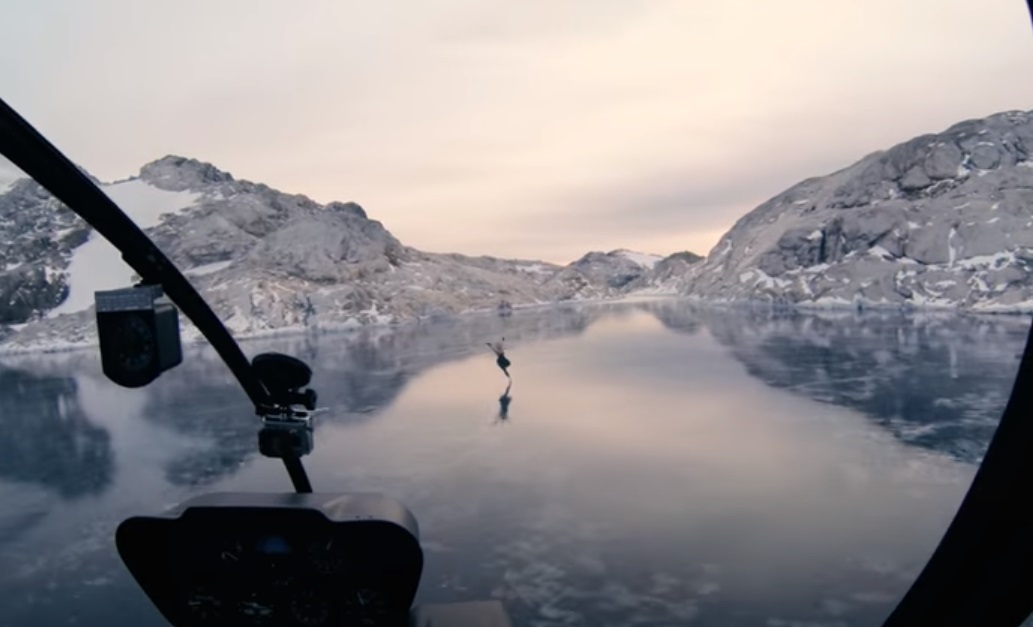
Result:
pixel 504 402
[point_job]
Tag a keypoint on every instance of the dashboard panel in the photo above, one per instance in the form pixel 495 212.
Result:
pixel 284 560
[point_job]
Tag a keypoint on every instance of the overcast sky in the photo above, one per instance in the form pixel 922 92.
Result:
pixel 519 128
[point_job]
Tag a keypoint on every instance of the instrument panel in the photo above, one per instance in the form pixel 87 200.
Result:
pixel 282 566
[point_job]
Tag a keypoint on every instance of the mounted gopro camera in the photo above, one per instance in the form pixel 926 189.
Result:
pixel 286 427
pixel 138 331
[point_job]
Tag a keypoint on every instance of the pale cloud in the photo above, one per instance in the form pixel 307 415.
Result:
pixel 535 128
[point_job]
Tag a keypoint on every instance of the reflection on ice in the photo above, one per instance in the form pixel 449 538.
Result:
pixel 935 381
pixel 46 438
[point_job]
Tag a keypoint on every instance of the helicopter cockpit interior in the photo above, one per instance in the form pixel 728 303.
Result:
pixel 325 558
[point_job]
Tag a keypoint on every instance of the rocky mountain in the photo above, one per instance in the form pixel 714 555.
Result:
pixel 671 275
pixel 266 261
pixel 942 220
pixel 602 275
pixel 39 234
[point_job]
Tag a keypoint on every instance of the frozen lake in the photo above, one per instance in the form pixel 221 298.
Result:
pixel 658 465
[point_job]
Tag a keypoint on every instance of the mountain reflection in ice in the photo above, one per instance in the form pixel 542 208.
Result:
pixel 651 463
pixel 935 381
pixel 46 438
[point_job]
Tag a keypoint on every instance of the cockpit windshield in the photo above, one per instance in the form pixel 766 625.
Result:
pixel 758 307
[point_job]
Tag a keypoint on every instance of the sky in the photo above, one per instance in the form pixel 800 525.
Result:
pixel 533 128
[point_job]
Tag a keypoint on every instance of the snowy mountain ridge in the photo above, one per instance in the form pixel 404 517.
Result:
pixel 266 261
pixel 943 220
pixel 643 259
pixel 96 264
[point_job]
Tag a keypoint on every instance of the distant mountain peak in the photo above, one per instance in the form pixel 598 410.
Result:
pixel 176 173
pixel 645 260
pixel 347 208
pixel 685 255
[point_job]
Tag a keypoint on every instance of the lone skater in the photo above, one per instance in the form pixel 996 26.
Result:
pixel 500 354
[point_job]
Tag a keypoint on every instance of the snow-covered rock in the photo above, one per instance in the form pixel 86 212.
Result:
pixel 645 260
pixel 942 220
pixel 671 275
pixel 267 262
pixel 38 235
pixel 601 275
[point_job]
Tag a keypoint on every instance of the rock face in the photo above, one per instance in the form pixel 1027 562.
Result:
pixel 602 275
pixel 266 261
pixel 38 235
pixel 673 274
pixel 941 220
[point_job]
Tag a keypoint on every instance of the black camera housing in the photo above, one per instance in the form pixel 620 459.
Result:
pixel 286 439
pixel 138 332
